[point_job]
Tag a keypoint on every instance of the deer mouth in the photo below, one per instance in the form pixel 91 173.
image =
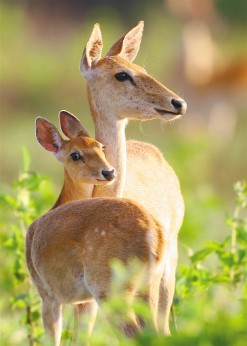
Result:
pixel 164 112
pixel 104 182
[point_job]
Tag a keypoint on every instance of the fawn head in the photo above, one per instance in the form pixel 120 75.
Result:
pixel 83 157
pixel 116 83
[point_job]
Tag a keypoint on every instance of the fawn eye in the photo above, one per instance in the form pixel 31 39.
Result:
pixel 75 156
pixel 122 76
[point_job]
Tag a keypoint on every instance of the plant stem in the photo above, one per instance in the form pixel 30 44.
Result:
pixel 234 231
pixel 30 324
pixel 234 240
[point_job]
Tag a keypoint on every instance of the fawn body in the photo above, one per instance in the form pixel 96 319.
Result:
pixel 69 249
pixel 119 90
pixel 78 177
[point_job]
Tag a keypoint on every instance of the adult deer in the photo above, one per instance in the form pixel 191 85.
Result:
pixel 119 90
pixel 69 249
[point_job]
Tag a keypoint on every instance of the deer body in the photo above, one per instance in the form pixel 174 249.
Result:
pixel 76 249
pixel 143 174
pixel 70 248
pixel 120 90
pixel 148 190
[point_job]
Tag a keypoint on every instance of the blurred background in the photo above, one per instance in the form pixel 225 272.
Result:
pixel 196 48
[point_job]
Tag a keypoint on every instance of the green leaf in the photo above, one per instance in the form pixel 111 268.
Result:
pixel 11 201
pixel 241 255
pixel 201 255
pixel 11 244
pixel 66 334
pixel 35 315
pixel 221 278
pixel 227 259
pixel 18 301
pixel 241 227
pixel 214 245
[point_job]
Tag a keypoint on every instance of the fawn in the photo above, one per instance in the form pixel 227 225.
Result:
pixel 69 249
pixel 82 157
pixel 83 166
pixel 119 90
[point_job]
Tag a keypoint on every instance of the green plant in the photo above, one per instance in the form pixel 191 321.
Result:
pixel 30 194
pixel 219 262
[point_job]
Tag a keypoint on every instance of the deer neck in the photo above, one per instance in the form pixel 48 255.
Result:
pixel 111 133
pixel 72 191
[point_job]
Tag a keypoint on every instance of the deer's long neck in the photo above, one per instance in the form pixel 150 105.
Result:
pixel 111 133
pixel 72 191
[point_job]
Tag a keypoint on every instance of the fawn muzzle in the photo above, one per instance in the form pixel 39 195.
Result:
pixel 109 175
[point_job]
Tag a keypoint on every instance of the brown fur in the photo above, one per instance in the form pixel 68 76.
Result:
pixel 78 175
pixel 144 175
pixel 69 249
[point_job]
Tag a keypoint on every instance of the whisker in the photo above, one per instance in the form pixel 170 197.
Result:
pixel 141 128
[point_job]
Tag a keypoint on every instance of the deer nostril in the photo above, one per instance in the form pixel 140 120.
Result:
pixel 179 105
pixel 176 104
pixel 109 175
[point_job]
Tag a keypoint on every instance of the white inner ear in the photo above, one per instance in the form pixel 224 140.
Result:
pixel 93 50
pixel 59 155
pixel 131 43
pixel 73 127
pixel 93 53
pixel 57 142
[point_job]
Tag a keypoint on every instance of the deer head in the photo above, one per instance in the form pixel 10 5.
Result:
pixel 120 87
pixel 83 157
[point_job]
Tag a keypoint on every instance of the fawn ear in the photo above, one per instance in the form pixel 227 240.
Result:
pixel 93 50
pixel 71 126
pixel 48 135
pixel 128 46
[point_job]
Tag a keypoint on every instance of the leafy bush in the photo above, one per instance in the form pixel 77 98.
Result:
pixel 229 266
pixel 211 291
pixel 21 206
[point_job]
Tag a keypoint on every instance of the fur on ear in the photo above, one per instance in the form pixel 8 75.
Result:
pixel 93 50
pixel 71 126
pixel 128 46
pixel 48 135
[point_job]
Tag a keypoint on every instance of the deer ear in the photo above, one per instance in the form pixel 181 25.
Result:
pixel 93 50
pixel 128 46
pixel 71 126
pixel 48 135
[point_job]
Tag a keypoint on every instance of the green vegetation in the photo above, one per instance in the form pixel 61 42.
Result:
pixel 210 306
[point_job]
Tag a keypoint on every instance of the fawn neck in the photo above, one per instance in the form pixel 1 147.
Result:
pixel 110 132
pixel 72 191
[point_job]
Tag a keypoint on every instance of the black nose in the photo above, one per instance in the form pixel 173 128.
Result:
pixel 109 175
pixel 179 105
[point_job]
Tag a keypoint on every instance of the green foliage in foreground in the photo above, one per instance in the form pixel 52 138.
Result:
pixel 210 306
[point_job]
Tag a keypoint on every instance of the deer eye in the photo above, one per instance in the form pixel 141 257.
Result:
pixel 75 156
pixel 122 76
